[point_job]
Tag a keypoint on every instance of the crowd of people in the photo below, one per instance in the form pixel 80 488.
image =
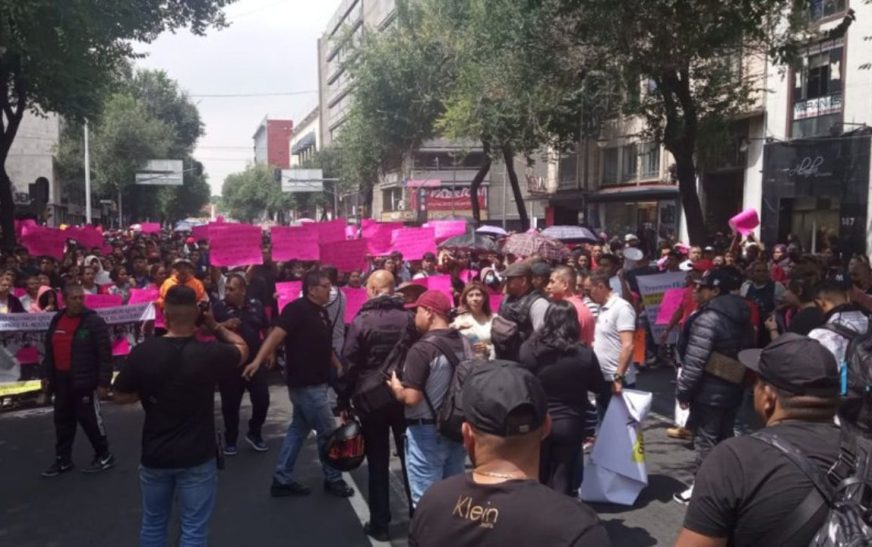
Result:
pixel 562 343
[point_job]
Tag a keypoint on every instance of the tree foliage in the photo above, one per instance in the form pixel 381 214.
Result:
pixel 253 194
pixel 64 57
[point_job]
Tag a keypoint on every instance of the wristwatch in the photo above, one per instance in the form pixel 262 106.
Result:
pixel 618 377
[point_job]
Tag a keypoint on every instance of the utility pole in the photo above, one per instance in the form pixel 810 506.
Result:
pixel 87 177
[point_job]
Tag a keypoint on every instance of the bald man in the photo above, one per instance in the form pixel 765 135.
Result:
pixel 371 336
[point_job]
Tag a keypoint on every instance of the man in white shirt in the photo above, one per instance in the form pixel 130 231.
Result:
pixel 613 337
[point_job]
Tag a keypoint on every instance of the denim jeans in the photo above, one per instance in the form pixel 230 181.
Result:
pixel 311 411
pixel 195 489
pixel 430 457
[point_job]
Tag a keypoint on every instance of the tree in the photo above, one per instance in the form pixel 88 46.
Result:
pixel 689 51
pixel 252 194
pixel 64 56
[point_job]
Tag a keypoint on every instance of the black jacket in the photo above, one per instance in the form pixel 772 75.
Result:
pixel 371 336
pixel 91 361
pixel 722 325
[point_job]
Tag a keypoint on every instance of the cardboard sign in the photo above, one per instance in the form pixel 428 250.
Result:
pixel 87 236
pixel 441 283
pixel 329 232
pixel 140 296
pixel 413 243
pixel 97 301
pixel 354 300
pixel 200 232
pixel 295 242
pixel 379 235
pixel 150 227
pixel 652 288
pixel 40 241
pixel 445 229
pixel 20 224
pixel 672 300
pixel 234 245
pixel 347 256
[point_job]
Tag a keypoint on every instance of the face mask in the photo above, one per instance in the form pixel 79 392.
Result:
pixel 489 279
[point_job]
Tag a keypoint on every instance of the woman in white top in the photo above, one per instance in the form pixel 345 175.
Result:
pixel 476 319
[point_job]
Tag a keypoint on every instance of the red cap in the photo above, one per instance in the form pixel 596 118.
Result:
pixel 190 241
pixel 703 265
pixel 435 301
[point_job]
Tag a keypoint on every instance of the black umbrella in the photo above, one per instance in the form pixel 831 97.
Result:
pixel 473 242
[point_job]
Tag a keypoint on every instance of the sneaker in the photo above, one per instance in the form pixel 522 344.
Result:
pixel 684 497
pixel 100 463
pixel 293 488
pixel 679 433
pixel 256 443
pixel 59 466
pixel 338 489
pixel 230 450
pixel 378 534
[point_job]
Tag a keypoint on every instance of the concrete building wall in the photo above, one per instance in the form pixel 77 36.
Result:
pixel 32 152
pixel 306 138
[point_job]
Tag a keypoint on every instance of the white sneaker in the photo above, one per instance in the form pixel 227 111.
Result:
pixel 684 497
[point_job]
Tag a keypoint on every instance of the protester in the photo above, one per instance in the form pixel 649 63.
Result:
pixel 476 319
pixel 711 378
pixel 568 372
pixel 562 287
pixel 28 299
pixel 304 327
pixel 523 304
pixel 428 267
pixel 120 284
pixel 88 281
pixel 427 374
pixel 371 336
pixel 841 317
pixel 244 316
pixel 500 502
pixel 335 309
pixel 77 371
pixel 183 274
pixel 175 377
pixel 9 303
pixel 796 396
pixel 541 275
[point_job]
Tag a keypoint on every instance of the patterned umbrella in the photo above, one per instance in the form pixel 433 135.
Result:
pixel 474 242
pixel 570 233
pixel 530 243
pixel 492 230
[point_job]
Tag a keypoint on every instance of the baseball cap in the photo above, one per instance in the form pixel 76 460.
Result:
pixel 795 363
pixel 429 256
pixel 541 269
pixel 435 301
pixel 494 391
pixel 182 260
pixel 518 269
pixel 718 278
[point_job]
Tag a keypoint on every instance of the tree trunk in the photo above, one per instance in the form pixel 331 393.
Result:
pixel 476 183
pixel 509 157
pixel 7 210
pixel 686 171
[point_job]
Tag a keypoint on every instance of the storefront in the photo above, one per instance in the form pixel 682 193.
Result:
pixel 817 190
pixel 651 211
pixel 446 201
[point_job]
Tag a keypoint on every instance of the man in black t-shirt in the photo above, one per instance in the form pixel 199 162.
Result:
pixel 746 491
pixel 502 502
pixel 175 376
pixel 305 329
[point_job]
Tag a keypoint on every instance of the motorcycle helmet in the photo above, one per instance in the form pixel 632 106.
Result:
pixel 344 450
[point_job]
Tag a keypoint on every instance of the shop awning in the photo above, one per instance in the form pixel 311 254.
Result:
pixel 304 143
pixel 635 193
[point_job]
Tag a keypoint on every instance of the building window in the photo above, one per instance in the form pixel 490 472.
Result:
pixel 392 200
pixel 610 165
pixel 817 96
pixel 629 162
pixel 649 159
pixel 821 9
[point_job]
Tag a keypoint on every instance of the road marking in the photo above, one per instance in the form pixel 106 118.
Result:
pixel 361 509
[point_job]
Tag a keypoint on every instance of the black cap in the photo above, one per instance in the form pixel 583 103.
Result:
pixel 518 269
pixel 429 256
pixel 718 278
pixel 795 363
pixel 494 391
pixel 541 269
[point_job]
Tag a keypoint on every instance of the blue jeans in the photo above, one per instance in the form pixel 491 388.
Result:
pixel 430 457
pixel 311 411
pixel 195 488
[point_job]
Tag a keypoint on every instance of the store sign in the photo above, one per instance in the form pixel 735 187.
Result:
pixel 447 199
pixel 810 167
pixel 820 106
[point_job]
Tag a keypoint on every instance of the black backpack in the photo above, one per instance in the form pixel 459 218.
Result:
pixel 511 327
pixel 856 376
pixel 371 393
pixel 450 416
pixel 837 512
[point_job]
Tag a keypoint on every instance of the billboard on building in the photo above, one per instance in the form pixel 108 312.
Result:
pixel 161 173
pixel 447 199
pixel 302 180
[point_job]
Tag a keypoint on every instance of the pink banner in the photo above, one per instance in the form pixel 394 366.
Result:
pixel 19 224
pixel 347 256
pixel 150 227
pixel 495 299
pixel 354 300
pixel 441 283
pixel 446 228
pixel 200 232
pixel 234 245
pixel 288 291
pixel 96 301
pixel 413 242
pixel 139 296
pixel 672 299
pixel 329 232
pixel 295 242
pixel 379 235
pixel 41 241
pixel 86 236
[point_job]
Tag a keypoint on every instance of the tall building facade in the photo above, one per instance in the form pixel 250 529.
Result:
pixel 272 143
pixel 306 138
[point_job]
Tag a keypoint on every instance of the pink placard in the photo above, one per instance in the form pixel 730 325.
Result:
pixel 234 244
pixel 200 232
pixel 354 300
pixel 441 283
pixel 86 236
pixel 150 227
pixel 288 291
pixel 347 256
pixel 413 243
pixel 120 346
pixel 467 275
pixel 140 296
pixel 295 242
pixel 41 241
pixel 331 231
pixel 672 299
pixel 19 224
pixel 95 301
pixel 495 300
pixel 445 229
pixel 379 235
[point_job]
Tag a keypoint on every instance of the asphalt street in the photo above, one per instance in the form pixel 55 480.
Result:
pixel 77 510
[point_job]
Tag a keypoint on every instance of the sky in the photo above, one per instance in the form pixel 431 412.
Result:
pixel 269 47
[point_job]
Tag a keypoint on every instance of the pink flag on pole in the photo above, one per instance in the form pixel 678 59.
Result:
pixel 413 242
pixel 347 256
pixel 41 241
pixel 331 231
pixel 150 227
pixel 96 301
pixel 445 229
pixel 234 244
pixel 354 300
pixel 294 242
